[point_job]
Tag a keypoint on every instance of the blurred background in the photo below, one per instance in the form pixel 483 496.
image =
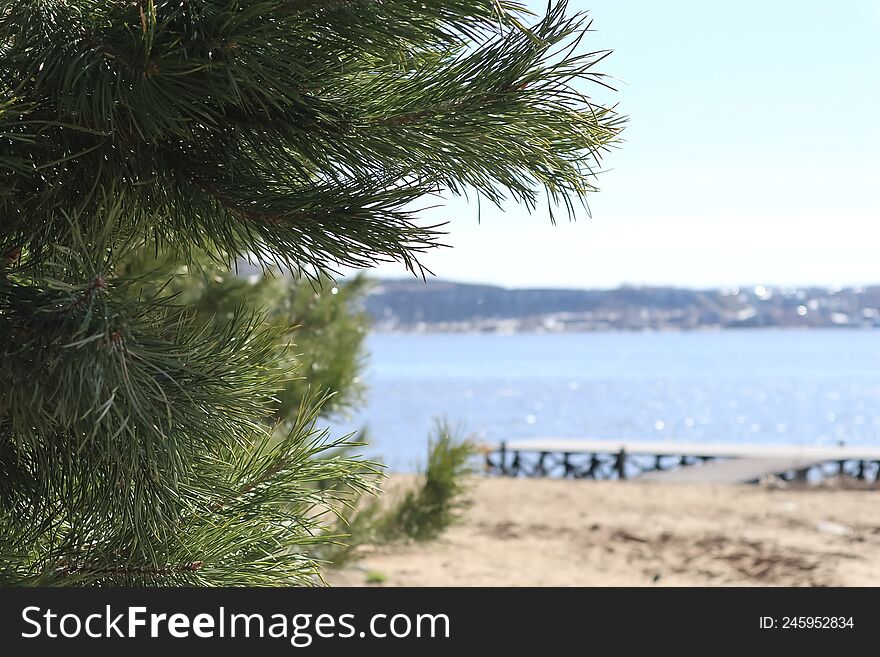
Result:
pixel 720 287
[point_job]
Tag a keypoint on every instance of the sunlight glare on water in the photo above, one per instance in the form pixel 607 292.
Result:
pixel 818 386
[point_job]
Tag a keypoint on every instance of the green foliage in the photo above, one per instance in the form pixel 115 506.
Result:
pixel 427 511
pixel 325 339
pixel 317 326
pixel 376 577
pixel 301 131
pixel 424 511
pixel 293 134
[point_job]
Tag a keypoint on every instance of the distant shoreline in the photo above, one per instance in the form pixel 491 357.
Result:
pixel 440 306
pixel 696 329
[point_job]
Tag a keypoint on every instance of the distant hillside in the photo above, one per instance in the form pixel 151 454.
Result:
pixel 412 304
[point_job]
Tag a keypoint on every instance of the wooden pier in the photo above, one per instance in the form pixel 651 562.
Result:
pixel 665 460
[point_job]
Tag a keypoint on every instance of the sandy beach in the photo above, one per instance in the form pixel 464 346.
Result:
pixel 546 532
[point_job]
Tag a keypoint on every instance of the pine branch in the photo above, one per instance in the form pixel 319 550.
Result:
pixel 128 571
pixel 135 444
pixel 293 6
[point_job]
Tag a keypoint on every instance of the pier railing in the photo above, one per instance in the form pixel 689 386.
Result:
pixel 715 462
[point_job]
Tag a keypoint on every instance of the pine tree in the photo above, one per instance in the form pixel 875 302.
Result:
pixel 293 133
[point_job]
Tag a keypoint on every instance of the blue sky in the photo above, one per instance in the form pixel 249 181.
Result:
pixel 752 156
